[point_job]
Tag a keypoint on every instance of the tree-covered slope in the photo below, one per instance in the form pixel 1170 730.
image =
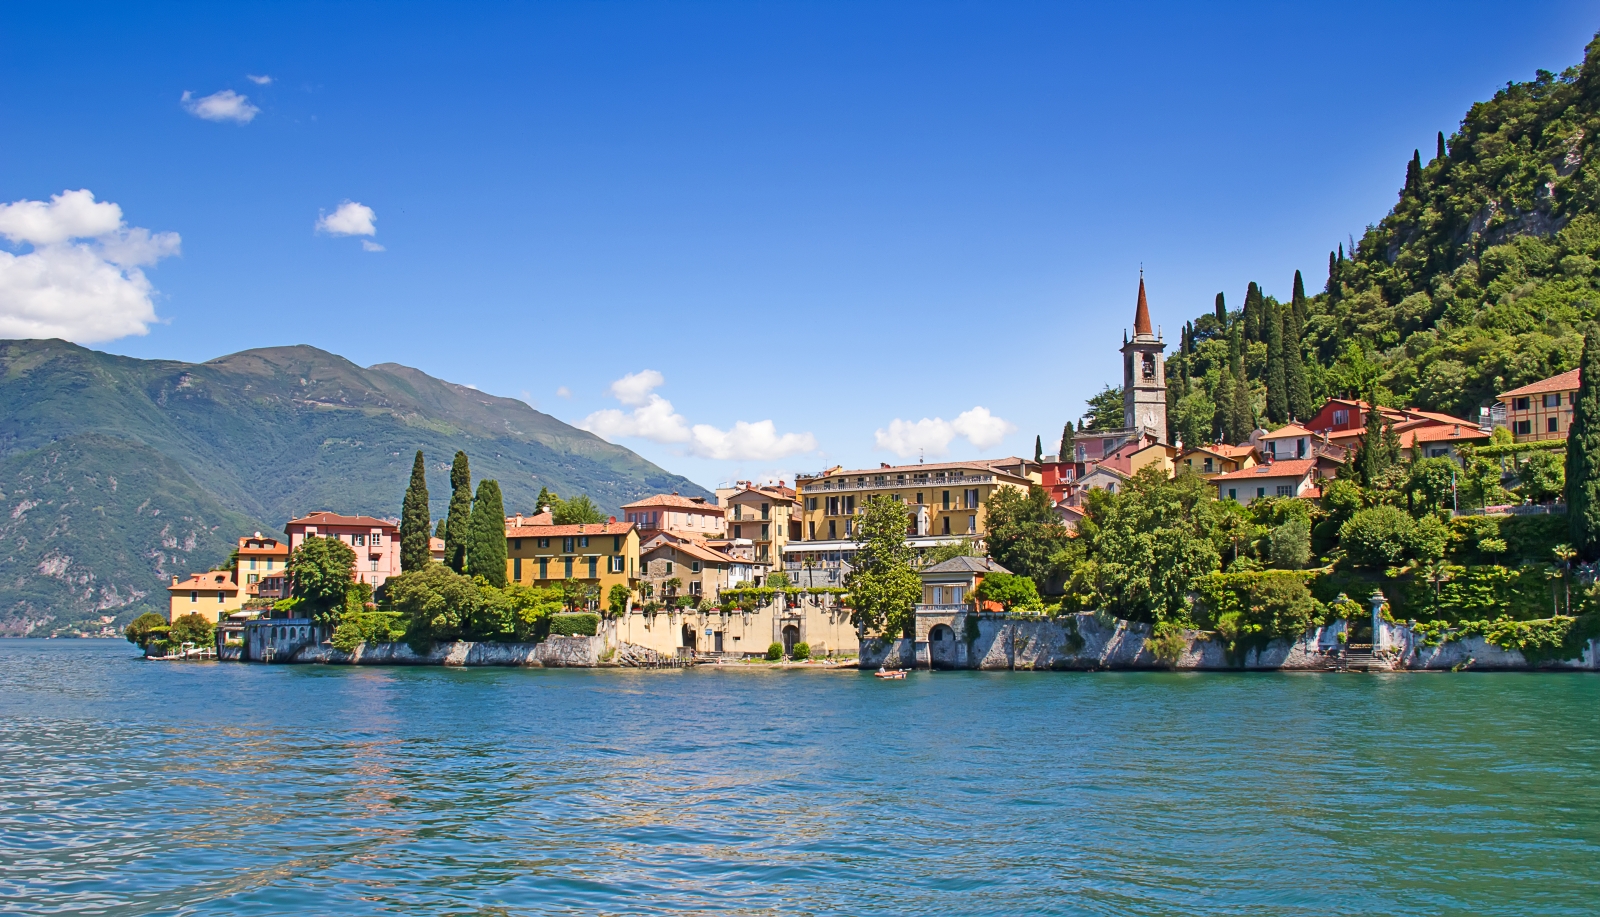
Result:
pixel 1479 280
pixel 241 442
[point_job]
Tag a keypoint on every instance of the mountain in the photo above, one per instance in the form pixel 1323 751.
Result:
pixel 116 473
pixel 1481 278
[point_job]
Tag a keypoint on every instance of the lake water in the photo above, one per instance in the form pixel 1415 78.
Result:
pixel 132 787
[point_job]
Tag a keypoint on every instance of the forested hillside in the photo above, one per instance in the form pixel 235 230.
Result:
pixel 116 473
pixel 1479 280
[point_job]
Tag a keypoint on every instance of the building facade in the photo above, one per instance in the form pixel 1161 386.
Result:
pixel 602 554
pixel 376 542
pixel 1542 410
pixel 214 595
pixel 764 515
pixel 674 513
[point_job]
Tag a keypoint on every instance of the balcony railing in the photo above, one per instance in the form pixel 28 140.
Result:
pixel 880 484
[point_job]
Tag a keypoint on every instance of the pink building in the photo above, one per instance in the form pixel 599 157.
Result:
pixel 375 541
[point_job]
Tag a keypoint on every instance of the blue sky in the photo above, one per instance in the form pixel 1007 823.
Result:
pixel 798 234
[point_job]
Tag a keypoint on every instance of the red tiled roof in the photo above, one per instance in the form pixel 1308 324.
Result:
pixel 1287 431
pixel 696 550
pixel 561 531
pixel 216 580
pixel 1567 381
pixel 327 518
pixel 1285 468
pixel 1441 434
pixel 278 548
pixel 691 503
pixel 1141 312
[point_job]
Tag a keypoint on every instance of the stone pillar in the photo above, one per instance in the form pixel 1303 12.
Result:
pixel 1377 620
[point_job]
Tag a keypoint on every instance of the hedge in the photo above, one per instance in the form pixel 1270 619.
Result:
pixel 574 624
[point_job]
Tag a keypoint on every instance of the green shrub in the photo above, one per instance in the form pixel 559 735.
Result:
pixel 1250 610
pixel 140 630
pixel 1167 643
pixel 801 651
pixel 574 624
pixel 193 628
pixel 774 652
pixel 1377 537
pixel 1009 590
pixel 1532 538
pixel 1291 544
pixel 367 627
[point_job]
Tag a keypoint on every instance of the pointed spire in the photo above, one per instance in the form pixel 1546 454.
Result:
pixel 1141 317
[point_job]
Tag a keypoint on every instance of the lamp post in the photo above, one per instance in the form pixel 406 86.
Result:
pixel 1377 619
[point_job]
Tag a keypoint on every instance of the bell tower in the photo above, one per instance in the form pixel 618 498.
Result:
pixel 1144 375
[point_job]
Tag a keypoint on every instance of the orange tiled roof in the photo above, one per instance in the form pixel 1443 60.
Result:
pixel 1567 381
pixel 278 548
pixel 1441 433
pixel 696 550
pixel 691 503
pixel 1285 468
pixel 561 531
pixel 216 580
pixel 1288 431
pixel 327 518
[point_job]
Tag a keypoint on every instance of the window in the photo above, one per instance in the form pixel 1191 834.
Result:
pixel 616 543
pixel 694 566
pixel 1522 427
pixel 252 563
pixel 1284 490
pixel 544 568
pixel 919 498
pixel 972 525
pixel 669 568
pixel 359 541
pixel 945 499
pixel 694 589
pixel 1519 404
pixel 516 544
pixel 833 506
pixel 1552 401
pixel 946 526
pixel 544 542
pixel 594 567
pixel 1148 366
pixel 219 597
pixel 1208 465
pixel 194 596
pixel 849 527
pixel 971 498
pixel 738 511
pixel 617 564
pixel 1261 492
pixel 567 544
pixel 765 508
pixel 738 531
pixel 833 532
pixel 811 534
pixel 1572 397
pixel 1439 452
pixel 849 506
pixel 1300 448
pixel 1550 425
pixel 252 578
pixel 1233 493
pixel 566 563
pixel 516 569
pixel 1341 417
pixel 583 541
pixel 766 532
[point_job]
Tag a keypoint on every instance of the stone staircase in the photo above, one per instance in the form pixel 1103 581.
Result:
pixel 1359 657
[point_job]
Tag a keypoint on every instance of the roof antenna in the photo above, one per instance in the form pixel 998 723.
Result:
pixel 921 454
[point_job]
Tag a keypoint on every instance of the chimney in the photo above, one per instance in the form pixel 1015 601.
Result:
pixel 174 579
pixel 519 520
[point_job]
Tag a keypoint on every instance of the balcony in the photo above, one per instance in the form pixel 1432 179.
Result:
pixel 879 483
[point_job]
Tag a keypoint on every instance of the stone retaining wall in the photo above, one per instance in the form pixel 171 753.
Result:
pixel 556 652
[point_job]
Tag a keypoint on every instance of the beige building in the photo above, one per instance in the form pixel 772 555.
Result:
pixel 674 513
pixel 212 594
pixel 764 515
pixel 1215 459
pixel 700 571
pixel 818 621
pixel 1543 409
pixel 602 554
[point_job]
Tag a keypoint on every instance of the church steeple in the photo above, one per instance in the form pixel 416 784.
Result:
pixel 1141 315
pixel 1144 376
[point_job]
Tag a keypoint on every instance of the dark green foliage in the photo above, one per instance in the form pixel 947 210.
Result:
pixel 1009 591
pixel 1429 485
pixel 486 535
pixel 1439 153
pixel 1038 448
pixel 320 573
pixel 617 600
pixel 1067 450
pixel 1251 315
pixel 1377 537
pixel 1249 610
pixel 1291 544
pixel 575 624
pixel 1277 386
pixel 1583 453
pixel 1105 409
pixel 774 652
pixel 370 627
pixel 1242 416
pixel 1373 458
pixel 1025 534
pixel 141 629
pixel 1301 404
pixel 545 499
pixel 202 453
pixel 192 628
pixel 434 602
pixel 1221 314
pixel 802 652
pixel 414 521
pixel 580 510
pixel 458 521
pixel 884 590
pixel 1542 475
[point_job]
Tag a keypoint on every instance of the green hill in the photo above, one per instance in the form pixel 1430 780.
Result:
pixel 1480 279
pixel 116 473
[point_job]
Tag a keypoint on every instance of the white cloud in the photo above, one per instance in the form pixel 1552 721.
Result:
pixel 350 219
pixel 932 436
pixel 262 80
pixel 82 280
pixel 635 388
pixel 654 418
pixel 982 429
pixel 226 105
pixel 563 392
pixel 367 245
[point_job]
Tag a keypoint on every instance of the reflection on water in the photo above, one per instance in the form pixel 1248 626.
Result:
pixel 133 787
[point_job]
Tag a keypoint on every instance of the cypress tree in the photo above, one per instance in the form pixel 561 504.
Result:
pixel 1068 444
pixel 1222 419
pixel 1241 415
pixel 1391 445
pixel 486 538
pixel 1222 314
pixel 1277 384
pixel 1583 452
pixel 1441 154
pixel 1038 448
pixel 414 522
pixel 1294 362
pixel 455 522
pixel 1414 174
pixel 438 530
pixel 1370 462
pixel 546 498
pixel 1333 273
pixel 1252 314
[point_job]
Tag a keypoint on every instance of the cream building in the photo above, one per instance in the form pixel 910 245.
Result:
pixel 816 620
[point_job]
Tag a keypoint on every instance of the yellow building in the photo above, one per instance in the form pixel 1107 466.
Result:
pixel 1215 459
pixel 1542 410
pixel 212 594
pixel 603 554
pixel 766 516
pixel 261 566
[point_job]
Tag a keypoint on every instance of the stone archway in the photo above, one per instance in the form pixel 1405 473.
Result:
pixel 689 639
pixel 791 636
pixel 942 646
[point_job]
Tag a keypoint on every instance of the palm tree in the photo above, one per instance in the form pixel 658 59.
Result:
pixel 1437 572
pixel 1565 554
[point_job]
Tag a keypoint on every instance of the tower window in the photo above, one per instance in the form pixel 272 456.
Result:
pixel 1148 367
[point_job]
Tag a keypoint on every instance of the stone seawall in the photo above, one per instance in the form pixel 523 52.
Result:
pixel 556 652
pixel 1087 641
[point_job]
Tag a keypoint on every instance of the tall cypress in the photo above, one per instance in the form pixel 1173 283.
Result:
pixel 455 522
pixel 1065 452
pixel 1371 458
pixel 414 522
pixel 1333 273
pixel 1294 360
pixel 1222 425
pixel 1252 314
pixel 1583 452
pixel 1277 386
pixel 1440 154
pixel 486 538
pixel 1038 448
pixel 1242 415
pixel 1222 314
pixel 1414 174
pixel 546 499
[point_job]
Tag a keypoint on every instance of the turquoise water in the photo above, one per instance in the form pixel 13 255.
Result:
pixel 132 787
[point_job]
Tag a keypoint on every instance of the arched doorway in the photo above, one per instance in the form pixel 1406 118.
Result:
pixel 689 639
pixel 791 636
pixel 942 646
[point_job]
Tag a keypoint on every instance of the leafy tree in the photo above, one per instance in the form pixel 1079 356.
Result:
pixel 1430 484
pixel 1372 458
pixel 458 520
pixel 1291 544
pixel 580 510
pixel 143 628
pixel 1251 314
pixel 617 600
pixel 414 521
pixel 1008 591
pixel 1543 477
pixel 546 499
pixel 883 588
pixel 940 553
pixel 1191 420
pixel 1067 450
pixel 1222 417
pixel 1583 453
pixel 486 535
pixel 778 580
pixel 1105 409
pixel 320 572
pixel 1025 533
pixel 436 603
pixel 1377 537
pixel 577 595
pixel 1221 312
pixel 193 628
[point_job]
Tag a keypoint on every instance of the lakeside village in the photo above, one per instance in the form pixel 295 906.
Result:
pixel 1362 536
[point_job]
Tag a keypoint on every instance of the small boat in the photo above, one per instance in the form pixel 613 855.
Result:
pixel 890 673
